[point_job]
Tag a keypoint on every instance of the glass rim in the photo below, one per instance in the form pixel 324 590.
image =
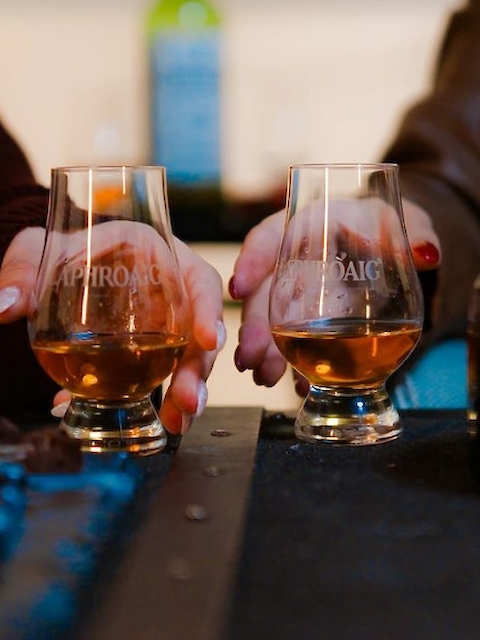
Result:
pixel 109 167
pixel 345 165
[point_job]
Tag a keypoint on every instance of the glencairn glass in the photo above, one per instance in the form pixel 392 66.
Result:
pixel 346 306
pixel 110 318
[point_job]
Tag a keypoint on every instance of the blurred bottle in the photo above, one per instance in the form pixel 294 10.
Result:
pixel 185 59
pixel 473 354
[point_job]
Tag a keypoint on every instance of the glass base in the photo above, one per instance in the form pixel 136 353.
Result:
pixel 133 427
pixel 346 416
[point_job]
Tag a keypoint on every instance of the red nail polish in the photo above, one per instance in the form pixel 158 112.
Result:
pixel 238 361
pixel 428 253
pixel 231 288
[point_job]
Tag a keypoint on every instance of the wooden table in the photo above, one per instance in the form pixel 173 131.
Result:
pixel 245 532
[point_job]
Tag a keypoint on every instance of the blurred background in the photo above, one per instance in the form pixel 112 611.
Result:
pixel 302 80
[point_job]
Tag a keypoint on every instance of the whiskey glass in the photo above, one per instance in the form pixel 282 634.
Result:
pixel 110 319
pixel 346 307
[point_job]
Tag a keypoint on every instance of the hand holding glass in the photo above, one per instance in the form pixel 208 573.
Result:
pixel 346 307
pixel 111 319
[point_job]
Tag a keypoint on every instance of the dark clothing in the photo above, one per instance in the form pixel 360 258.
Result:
pixel 438 150
pixel 25 390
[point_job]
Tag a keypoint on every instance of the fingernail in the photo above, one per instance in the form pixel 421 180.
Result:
pixel 427 252
pixel 238 361
pixel 8 297
pixel 221 335
pixel 231 288
pixel 187 419
pixel 58 411
pixel 202 395
pixel 301 388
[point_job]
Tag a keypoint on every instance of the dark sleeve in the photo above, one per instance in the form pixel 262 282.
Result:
pixel 26 392
pixel 23 202
pixel 438 149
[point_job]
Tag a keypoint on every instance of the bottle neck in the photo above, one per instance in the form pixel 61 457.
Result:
pixel 190 15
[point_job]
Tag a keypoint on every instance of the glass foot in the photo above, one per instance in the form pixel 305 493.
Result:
pixel 345 416
pixel 134 427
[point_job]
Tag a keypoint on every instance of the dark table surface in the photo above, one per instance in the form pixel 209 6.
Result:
pixel 245 532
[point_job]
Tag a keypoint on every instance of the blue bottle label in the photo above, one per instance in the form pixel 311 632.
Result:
pixel 186 106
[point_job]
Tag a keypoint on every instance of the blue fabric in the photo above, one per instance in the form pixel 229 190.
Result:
pixel 437 381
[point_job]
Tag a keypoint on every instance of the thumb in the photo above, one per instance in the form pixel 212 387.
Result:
pixel 18 273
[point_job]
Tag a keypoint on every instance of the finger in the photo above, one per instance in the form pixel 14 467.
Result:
pixel 205 291
pixel 254 339
pixel 256 349
pixel 254 335
pixel 422 238
pixel 426 256
pixel 62 396
pixel 258 352
pixel 425 244
pixel 271 369
pixel 61 402
pixel 257 256
pixel 18 273
pixel 173 415
pixel 187 394
pixel 301 384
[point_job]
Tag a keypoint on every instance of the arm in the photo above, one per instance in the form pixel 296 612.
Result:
pixel 438 149
pixel 25 389
pixel 26 392
pixel 23 202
